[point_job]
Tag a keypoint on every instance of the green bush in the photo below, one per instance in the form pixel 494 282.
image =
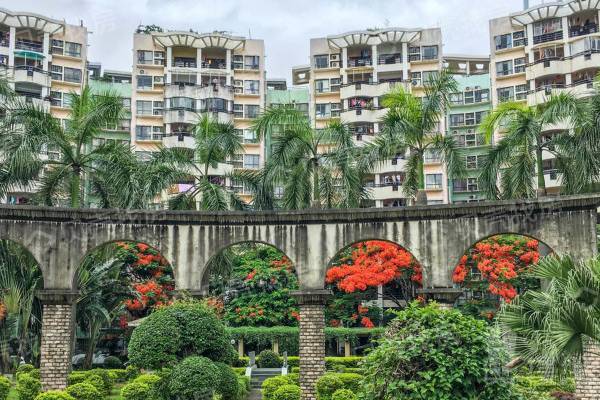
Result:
pixel 294 378
pixel 327 386
pixel 350 381
pixel 287 392
pixel 153 382
pixel 194 376
pixel 270 385
pixel 135 391
pixel 228 382
pixel 344 362
pixel 182 329
pixel 77 377
pixel 4 387
pixel 243 387
pixel 28 387
pixel 54 395
pixel 102 373
pixel 97 382
pixel 241 371
pixel 268 359
pixel 112 362
pixel 537 387
pixel 24 369
pixel 343 394
pixel 119 375
pixel 132 372
pixel 437 354
pixel 84 391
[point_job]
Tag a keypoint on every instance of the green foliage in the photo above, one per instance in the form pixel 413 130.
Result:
pixel 4 387
pixel 327 385
pixel 28 387
pixel 84 391
pixel 118 375
pixel 436 354
pixel 25 369
pixel 113 362
pixel 194 376
pixel 268 359
pixel 132 372
pixel 174 332
pixel 77 377
pixel 153 382
pixel 105 376
pixel 97 382
pixel 270 385
pixel 54 395
pixel 294 378
pixel 343 394
pixel 534 387
pixel 287 392
pixel 135 391
pixel 228 382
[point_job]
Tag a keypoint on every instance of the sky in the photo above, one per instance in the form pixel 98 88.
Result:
pixel 285 26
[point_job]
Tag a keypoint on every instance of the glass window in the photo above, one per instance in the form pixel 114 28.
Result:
pixel 251 87
pixel 57 46
pixel 186 103
pixel 143 132
pixel 430 52
pixel 238 110
pixel 547 26
pixel 56 98
pixel 504 68
pixel 503 41
pixel 456 98
pixel 322 85
pixel 72 75
pixel 519 64
pixel 144 82
pixel 251 62
pixel 457 119
pixel 56 72
pixel 505 94
pixel 216 104
pixel 72 49
pixel 323 110
pixel 414 53
pixel 521 92
pixel 145 57
pixel 433 181
pixel 251 110
pixel 322 61
pixel 143 107
pixel 251 161
pixel 519 39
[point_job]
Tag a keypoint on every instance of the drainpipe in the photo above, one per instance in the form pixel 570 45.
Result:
pixel 525 4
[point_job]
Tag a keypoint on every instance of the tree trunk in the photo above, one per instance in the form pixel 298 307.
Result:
pixel 75 188
pixel 541 181
pixel 316 200
pixel 421 198
pixel 91 347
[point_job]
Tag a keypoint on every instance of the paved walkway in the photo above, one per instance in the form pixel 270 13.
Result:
pixel 255 394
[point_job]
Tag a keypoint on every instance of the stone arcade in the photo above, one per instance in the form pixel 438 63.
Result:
pixel 437 236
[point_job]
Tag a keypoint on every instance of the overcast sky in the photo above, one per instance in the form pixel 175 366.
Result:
pixel 286 26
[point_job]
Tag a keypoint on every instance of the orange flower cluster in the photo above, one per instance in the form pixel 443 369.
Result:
pixel 499 263
pixel 149 291
pixel 284 263
pixel 3 312
pixel 374 263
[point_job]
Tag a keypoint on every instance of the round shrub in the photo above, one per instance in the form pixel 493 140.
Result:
pixel 243 387
pixel 106 381
pixel 132 372
pixel 135 391
pixel 268 359
pixel 118 375
pixel 77 377
pixel 24 369
pixel 54 395
pixel 4 387
pixel 194 377
pixel 84 391
pixel 113 362
pixel 350 381
pixel 294 378
pixel 97 382
pixel 270 385
pixel 287 392
pixel 327 385
pixel 174 332
pixel 28 387
pixel 343 394
pixel 228 382
pixel 153 381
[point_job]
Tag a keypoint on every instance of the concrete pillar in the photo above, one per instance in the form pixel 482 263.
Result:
pixel 169 64
pixel 58 320
pixel 11 46
pixel 229 79
pixel 46 50
pixel 241 347
pixel 404 61
pixel 347 349
pixel 198 65
pixel 312 339
pixel 374 61
pixel 275 346
pixel 587 381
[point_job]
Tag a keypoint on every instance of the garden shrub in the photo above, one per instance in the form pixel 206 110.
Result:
pixel 84 391
pixel 24 369
pixel 77 377
pixel 243 387
pixel 54 395
pixel 174 332
pixel 132 372
pixel 135 391
pixel 97 382
pixel 241 371
pixel 112 362
pixel 343 394
pixel 119 375
pixel 228 382
pixel 4 387
pixel 351 381
pixel 287 392
pixel 270 385
pixel 153 382
pixel 194 376
pixel 437 354
pixel 268 359
pixel 294 378
pixel 28 387
pixel 102 373
pixel 327 385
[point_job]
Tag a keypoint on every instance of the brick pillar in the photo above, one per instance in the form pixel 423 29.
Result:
pixel 312 339
pixel 588 379
pixel 58 315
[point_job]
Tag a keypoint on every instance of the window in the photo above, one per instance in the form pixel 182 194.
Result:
pixel 251 87
pixel 247 135
pixel 216 104
pixel 144 82
pixel 251 161
pixel 238 110
pixel 56 72
pixel 56 99
pixel 547 26
pixel 126 103
pixel 519 65
pixel 521 92
pixel 157 107
pixel 322 61
pixel 251 62
pixel 428 76
pixel 238 62
pixel 457 120
pixel 159 58
pixel 430 52
pixel 335 84
pixel 323 110
pixel 251 110
pixel 465 185
pixel 503 41
pixel 456 98
pixel 72 49
pixel 504 68
pixel 433 181
pixel 185 103
pixel 57 46
pixel 505 94
pixel 519 39
pixel 143 107
pixel 474 162
pixel 414 53
pixel 322 85
pixel 145 57
pixel 143 132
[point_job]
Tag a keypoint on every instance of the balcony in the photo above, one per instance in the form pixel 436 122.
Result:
pixel 393 58
pixel 26 73
pixel 199 91
pixel 29 45
pixel 179 139
pixel 214 63
pixel 182 62
pixel 357 62
pixel 4 41
pixel 149 137
pixel 368 89
pixel 582 30
pixel 548 37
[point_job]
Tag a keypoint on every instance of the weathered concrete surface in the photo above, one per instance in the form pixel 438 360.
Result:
pixel 436 235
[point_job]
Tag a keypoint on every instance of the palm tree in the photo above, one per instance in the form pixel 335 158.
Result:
pixel 554 328
pixel 411 126
pixel 216 144
pixel 517 159
pixel 316 168
pixel 28 131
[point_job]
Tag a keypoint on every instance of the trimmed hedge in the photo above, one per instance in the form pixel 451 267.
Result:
pixel 54 395
pixel 135 391
pixel 4 387
pixel 329 383
pixel 344 394
pixel 270 385
pixel 28 387
pixel 118 375
pixel 287 392
pixel 153 382
pixel 268 359
pixel 331 363
pixel 84 391
pixel 194 377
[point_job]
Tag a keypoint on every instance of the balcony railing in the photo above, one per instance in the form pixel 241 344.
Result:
pixel 359 62
pixel 21 44
pixel 395 58
pixel 583 30
pixel 548 37
pixel 149 136
pixel 4 42
pixel 184 63
pixel 214 64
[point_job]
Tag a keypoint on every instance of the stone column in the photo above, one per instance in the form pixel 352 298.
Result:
pixel 312 339
pixel 12 33
pixel 58 314
pixel 587 380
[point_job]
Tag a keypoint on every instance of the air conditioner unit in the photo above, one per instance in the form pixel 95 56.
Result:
pixel 142 72
pixel 468 89
pixel 159 79
pixel 546 63
pixel 334 64
pixel 416 82
pixel 334 57
pixel 180 113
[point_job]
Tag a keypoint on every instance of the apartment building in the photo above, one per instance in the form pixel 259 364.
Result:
pixel 179 74
pixel 349 73
pixel 45 61
pixel 468 107
pixel 542 50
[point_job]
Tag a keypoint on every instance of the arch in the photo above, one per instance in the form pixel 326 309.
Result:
pixel 370 239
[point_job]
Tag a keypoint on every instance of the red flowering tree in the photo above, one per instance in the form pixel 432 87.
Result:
pixel 493 270
pixel 357 274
